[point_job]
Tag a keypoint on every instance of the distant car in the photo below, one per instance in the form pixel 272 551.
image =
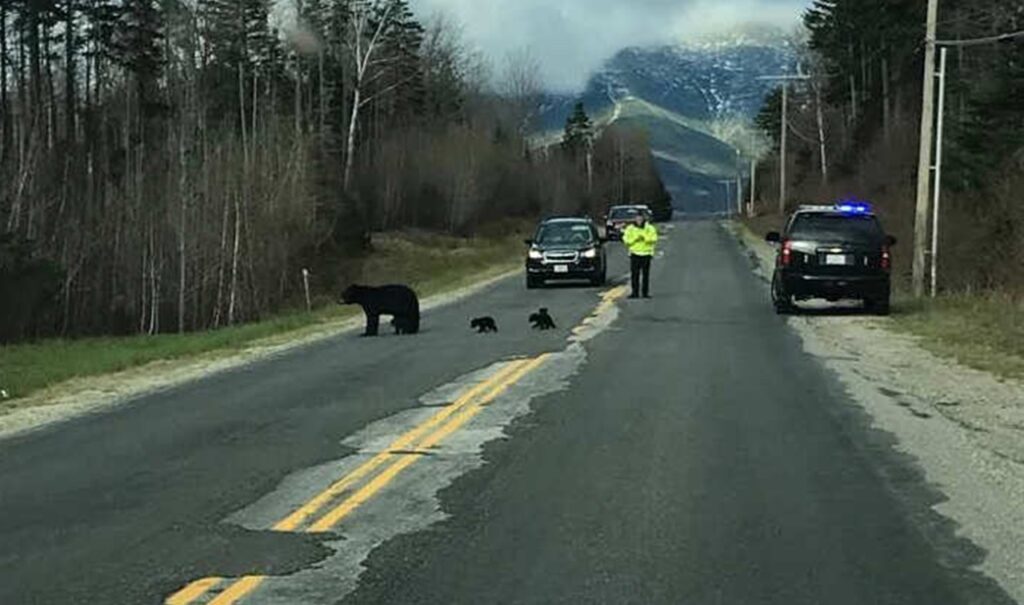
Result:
pixel 566 249
pixel 620 217
pixel 836 253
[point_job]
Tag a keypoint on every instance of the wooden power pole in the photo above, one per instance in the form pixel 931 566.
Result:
pixel 924 167
pixel 784 134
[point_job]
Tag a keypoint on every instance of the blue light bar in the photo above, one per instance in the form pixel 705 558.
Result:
pixel 854 207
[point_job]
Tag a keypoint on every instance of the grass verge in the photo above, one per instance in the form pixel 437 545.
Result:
pixel 983 332
pixel 432 264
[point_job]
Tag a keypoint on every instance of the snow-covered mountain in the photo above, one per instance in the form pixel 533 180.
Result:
pixel 695 100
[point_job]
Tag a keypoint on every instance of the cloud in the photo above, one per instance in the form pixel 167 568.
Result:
pixel 572 38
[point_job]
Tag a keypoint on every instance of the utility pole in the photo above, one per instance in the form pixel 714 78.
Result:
pixel 728 195
pixel 945 45
pixel 739 184
pixel 821 134
pixel 924 166
pixel 784 135
pixel 753 187
pixel 944 53
pixel 783 147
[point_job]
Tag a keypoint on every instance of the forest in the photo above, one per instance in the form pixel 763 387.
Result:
pixel 174 165
pixel 855 122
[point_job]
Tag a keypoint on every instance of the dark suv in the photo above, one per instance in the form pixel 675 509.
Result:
pixel 833 252
pixel 566 248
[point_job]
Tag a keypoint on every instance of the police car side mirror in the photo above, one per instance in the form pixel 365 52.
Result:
pixel 528 242
pixel 890 240
pixel 773 238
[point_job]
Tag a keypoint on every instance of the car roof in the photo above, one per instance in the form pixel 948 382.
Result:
pixel 831 210
pixel 566 219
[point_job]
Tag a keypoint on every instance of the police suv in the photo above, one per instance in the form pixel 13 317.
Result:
pixel 836 252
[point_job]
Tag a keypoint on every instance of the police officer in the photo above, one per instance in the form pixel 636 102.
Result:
pixel 640 238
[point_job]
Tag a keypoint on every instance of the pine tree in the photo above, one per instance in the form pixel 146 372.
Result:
pixel 769 119
pixel 138 46
pixel 579 132
pixel 404 38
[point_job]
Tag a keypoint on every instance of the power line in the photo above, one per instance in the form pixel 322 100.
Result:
pixel 982 41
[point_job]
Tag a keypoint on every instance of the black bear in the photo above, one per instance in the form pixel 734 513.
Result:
pixel 542 321
pixel 403 325
pixel 484 324
pixel 398 301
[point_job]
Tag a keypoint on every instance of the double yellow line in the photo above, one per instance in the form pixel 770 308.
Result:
pixel 412 445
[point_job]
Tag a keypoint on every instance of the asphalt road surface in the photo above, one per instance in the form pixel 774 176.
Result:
pixel 676 450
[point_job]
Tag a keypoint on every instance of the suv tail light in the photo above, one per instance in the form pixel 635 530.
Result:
pixel 787 253
pixel 886 258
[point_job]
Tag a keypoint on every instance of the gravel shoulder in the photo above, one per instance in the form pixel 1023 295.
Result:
pixel 82 396
pixel 963 427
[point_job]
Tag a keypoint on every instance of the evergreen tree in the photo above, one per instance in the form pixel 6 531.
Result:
pixel 579 132
pixel 404 38
pixel 138 46
pixel 240 45
pixel 769 119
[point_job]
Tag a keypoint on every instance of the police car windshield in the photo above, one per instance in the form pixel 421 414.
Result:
pixel 564 234
pixel 861 229
pixel 623 213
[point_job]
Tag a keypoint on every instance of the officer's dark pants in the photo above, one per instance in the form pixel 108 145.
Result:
pixel 640 271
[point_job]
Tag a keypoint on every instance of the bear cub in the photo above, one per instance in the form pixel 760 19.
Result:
pixel 542 321
pixel 400 302
pixel 482 325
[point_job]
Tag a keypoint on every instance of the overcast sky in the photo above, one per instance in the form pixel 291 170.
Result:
pixel 571 38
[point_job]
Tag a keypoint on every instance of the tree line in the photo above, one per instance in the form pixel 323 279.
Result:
pixel 173 165
pixel 855 122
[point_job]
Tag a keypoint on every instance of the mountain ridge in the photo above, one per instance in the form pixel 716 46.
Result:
pixel 695 99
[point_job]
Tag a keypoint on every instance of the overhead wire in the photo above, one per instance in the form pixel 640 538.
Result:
pixel 1009 37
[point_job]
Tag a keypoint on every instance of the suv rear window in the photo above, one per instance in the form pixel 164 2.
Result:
pixel 837 227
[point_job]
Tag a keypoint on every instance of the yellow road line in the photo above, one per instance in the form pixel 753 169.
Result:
pixel 198 588
pixel 294 520
pixel 238 590
pixel 608 299
pixel 192 592
pixel 333 517
pixel 504 378
pixel 249 583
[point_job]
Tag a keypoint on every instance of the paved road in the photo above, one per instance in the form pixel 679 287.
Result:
pixel 687 452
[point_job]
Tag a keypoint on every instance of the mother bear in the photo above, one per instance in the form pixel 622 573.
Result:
pixel 398 301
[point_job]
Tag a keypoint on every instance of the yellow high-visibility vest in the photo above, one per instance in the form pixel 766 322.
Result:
pixel 640 240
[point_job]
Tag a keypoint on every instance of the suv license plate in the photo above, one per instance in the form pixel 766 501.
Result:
pixel 561 268
pixel 837 259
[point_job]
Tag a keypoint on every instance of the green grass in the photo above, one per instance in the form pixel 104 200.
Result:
pixel 432 264
pixel 983 332
pixel 27 368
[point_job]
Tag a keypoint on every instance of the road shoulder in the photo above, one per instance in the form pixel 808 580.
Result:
pixel 963 427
